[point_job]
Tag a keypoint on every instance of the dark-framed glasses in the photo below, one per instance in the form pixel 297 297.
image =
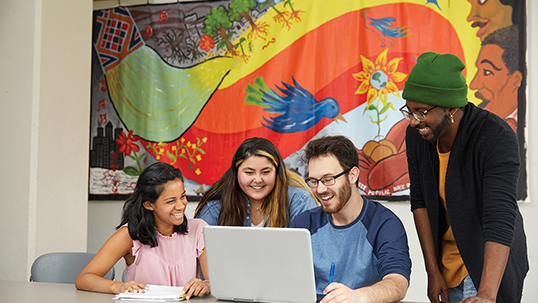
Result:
pixel 419 115
pixel 327 180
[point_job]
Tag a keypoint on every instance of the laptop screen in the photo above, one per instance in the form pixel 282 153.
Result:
pixel 256 264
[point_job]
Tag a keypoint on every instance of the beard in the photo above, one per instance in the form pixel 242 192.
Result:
pixel 343 196
pixel 436 131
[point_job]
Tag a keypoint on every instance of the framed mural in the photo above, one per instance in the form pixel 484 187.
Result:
pixel 185 83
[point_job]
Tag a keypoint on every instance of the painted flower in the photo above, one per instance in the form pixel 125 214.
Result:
pixel 127 143
pixel 378 79
pixel 207 43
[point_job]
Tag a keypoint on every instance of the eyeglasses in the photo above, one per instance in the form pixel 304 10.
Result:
pixel 327 181
pixel 419 115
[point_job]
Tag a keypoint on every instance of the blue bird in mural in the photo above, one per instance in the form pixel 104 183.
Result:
pixel 298 108
pixel 434 2
pixel 382 25
pixel 382 30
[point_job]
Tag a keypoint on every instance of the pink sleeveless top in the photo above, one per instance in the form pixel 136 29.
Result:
pixel 171 263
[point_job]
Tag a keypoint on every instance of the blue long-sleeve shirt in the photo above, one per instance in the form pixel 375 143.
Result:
pixel 364 251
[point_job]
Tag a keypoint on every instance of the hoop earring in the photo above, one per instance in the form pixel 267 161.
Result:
pixel 452 118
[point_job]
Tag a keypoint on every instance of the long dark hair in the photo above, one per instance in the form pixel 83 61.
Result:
pixel 149 187
pixel 227 190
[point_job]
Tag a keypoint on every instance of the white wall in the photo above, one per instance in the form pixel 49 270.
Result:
pixel 45 58
pixel 16 103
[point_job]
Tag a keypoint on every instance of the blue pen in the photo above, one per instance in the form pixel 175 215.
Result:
pixel 331 275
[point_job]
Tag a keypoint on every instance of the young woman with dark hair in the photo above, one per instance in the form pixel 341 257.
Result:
pixel 159 244
pixel 257 190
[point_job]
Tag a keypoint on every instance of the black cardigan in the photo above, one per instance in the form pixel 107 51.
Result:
pixel 480 190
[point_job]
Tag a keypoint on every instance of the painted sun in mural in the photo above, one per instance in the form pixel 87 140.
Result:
pixel 379 79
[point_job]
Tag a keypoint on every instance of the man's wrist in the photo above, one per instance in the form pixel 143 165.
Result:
pixel 490 296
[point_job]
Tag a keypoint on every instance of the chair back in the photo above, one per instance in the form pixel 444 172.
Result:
pixel 62 267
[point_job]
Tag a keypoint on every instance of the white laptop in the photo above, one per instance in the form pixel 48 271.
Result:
pixel 256 264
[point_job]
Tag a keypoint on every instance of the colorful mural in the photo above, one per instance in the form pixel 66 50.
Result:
pixel 186 83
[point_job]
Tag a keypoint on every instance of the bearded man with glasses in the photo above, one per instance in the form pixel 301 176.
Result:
pixel 463 167
pixel 357 243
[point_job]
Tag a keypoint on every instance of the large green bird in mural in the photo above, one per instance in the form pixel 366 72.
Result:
pixel 159 102
pixel 155 100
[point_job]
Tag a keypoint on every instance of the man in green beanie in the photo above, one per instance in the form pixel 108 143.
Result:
pixel 463 166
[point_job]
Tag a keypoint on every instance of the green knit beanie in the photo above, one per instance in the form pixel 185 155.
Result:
pixel 437 80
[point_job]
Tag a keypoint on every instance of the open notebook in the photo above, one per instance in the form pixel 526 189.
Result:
pixel 256 264
pixel 155 293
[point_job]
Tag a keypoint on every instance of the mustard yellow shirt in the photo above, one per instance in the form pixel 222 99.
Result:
pixel 452 267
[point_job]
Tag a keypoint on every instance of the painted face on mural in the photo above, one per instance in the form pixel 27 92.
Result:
pixel 489 16
pixel 494 85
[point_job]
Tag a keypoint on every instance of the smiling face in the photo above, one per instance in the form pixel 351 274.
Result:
pixel 169 208
pixel 256 176
pixel 333 197
pixel 489 16
pixel 435 126
pixel 494 84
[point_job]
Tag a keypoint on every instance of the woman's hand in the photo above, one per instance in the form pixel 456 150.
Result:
pixel 131 286
pixel 196 287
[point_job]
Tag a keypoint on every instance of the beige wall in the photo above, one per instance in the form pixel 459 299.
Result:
pixel 44 87
pixel 44 101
